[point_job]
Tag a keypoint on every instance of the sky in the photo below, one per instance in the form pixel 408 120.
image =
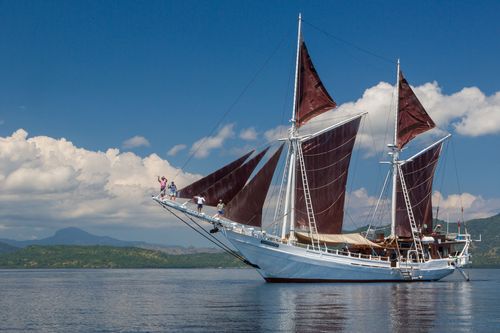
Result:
pixel 97 98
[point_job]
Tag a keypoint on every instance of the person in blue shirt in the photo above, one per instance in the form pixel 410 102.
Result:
pixel 172 191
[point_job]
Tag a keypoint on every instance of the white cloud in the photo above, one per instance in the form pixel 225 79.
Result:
pixel 135 141
pixel 483 119
pixel 360 205
pixel 176 149
pixel 468 112
pixel 202 147
pixel 276 133
pixel 248 134
pixel 474 206
pixel 51 183
pixel 47 182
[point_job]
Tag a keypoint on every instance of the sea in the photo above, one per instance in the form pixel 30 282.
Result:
pixel 238 300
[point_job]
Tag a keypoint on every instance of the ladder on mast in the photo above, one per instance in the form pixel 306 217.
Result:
pixel 411 217
pixel 313 230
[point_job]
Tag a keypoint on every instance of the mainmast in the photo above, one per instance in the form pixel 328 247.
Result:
pixel 395 157
pixel 289 215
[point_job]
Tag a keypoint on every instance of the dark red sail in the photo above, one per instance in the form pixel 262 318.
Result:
pixel 202 184
pixel 227 187
pixel 412 117
pixel 312 98
pixel 326 158
pixel 246 206
pixel 418 174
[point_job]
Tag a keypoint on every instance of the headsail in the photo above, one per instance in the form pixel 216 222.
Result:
pixel 412 117
pixel 419 174
pixel 227 187
pixel 313 98
pixel 246 206
pixel 326 158
pixel 202 184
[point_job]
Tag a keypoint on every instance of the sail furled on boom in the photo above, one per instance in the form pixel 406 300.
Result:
pixel 412 117
pixel 246 206
pixel 418 174
pixel 227 187
pixel 312 99
pixel 326 159
pixel 201 185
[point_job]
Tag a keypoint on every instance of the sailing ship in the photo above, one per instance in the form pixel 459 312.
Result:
pixel 309 245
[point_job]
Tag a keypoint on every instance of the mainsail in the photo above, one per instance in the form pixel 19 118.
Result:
pixel 412 117
pixel 246 206
pixel 227 187
pixel 202 184
pixel 418 174
pixel 313 98
pixel 326 158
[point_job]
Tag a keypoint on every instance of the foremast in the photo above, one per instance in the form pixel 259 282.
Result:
pixel 289 218
pixel 317 164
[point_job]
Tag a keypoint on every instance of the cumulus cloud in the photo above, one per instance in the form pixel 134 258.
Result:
pixel 176 149
pixel 360 208
pixel 135 141
pixel 276 133
pixel 203 147
pixel 474 206
pixel 249 134
pixel 47 182
pixel 468 112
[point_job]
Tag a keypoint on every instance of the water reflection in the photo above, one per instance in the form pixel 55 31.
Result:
pixel 298 308
pixel 387 307
pixel 426 307
pixel 237 301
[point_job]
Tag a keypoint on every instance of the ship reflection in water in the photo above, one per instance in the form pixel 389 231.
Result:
pixel 384 307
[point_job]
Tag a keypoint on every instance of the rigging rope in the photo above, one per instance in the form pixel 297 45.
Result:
pixel 231 107
pixel 458 184
pixel 211 238
pixel 443 175
pixel 351 44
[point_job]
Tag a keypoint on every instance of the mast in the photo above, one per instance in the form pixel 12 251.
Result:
pixel 395 157
pixel 290 190
pixel 296 85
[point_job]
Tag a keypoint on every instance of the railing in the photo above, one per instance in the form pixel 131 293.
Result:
pixel 249 231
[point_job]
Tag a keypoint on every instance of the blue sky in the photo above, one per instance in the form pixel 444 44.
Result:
pixel 99 73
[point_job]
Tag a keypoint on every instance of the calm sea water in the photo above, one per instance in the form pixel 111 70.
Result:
pixel 238 300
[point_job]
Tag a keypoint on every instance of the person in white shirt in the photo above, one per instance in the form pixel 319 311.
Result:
pixel 200 200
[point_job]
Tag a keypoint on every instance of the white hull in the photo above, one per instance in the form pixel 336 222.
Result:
pixel 279 262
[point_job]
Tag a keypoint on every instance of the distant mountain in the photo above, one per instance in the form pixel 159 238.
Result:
pixel 72 236
pixel 6 248
pixel 76 236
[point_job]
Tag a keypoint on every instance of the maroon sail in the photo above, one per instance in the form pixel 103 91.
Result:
pixel 313 98
pixel 418 174
pixel 202 184
pixel 227 187
pixel 326 158
pixel 246 206
pixel 412 117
